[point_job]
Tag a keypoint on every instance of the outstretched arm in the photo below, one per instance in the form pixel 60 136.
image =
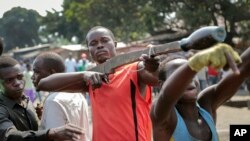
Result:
pixel 72 82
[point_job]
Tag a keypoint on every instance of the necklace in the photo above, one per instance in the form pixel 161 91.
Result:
pixel 199 121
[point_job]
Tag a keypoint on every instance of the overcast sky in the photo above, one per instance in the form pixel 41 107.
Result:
pixel 41 6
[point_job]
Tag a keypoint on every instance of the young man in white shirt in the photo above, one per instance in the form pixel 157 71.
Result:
pixel 60 108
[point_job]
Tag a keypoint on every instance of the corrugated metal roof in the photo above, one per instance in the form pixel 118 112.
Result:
pixel 76 47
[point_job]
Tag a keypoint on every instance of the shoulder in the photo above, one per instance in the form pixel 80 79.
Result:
pixel 62 97
pixel 67 96
pixel 2 107
pixel 128 71
pixel 51 96
pixel 5 102
pixel 133 66
pixel 3 111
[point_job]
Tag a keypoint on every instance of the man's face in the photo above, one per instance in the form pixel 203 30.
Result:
pixel 101 45
pixel 40 71
pixel 12 81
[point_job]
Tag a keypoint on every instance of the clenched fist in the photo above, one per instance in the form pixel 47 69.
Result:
pixel 216 56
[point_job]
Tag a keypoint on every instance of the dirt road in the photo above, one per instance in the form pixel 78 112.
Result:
pixel 237 113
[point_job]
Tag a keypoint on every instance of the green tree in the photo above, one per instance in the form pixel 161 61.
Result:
pixel 132 20
pixel 129 20
pixel 56 23
pixel 19 28
pixel 234 15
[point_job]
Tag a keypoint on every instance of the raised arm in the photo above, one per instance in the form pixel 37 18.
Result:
pixel 216 95
pixel 171 91
pixel 180 79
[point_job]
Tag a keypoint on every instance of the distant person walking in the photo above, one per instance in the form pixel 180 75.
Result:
pixel 202 76
pixel 29 88
pixel 247 82
pixel 70 63
pixel 213 75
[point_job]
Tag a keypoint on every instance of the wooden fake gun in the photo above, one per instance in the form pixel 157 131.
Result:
pixel 200 39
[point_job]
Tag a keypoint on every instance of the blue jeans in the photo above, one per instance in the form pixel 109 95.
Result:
pixel 212 80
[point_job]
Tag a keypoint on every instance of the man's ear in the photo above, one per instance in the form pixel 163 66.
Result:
pixel 52 71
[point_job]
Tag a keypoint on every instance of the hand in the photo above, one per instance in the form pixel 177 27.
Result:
pixel 216 56
pixel 39 110
pixel 66 132
pixel 95 79
pixel 151 63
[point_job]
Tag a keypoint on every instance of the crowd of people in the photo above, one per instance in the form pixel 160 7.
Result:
pixel 122 105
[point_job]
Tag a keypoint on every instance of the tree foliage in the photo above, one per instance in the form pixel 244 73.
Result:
pixel 19 28
pixel 55 23
pixel 131 20
pixel 234 15
pixel 127 18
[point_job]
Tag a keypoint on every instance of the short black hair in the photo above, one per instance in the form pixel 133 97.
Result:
pixel 99 27
pixel 162 68
pixel 53 61
pixel 7 61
